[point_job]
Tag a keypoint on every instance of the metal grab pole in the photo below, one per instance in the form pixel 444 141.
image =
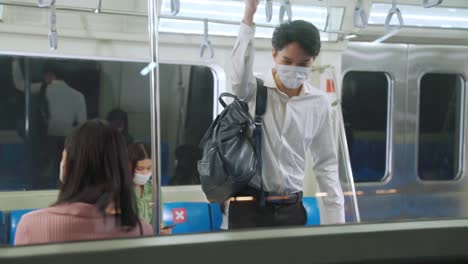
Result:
pixel 153 25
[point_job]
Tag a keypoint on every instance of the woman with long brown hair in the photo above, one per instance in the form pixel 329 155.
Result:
pixel 96 199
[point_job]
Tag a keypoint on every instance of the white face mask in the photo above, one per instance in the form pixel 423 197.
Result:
pixel 61 176
pixel 141 179
pixel 292 76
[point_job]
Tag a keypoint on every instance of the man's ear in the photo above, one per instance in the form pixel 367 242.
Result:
pixel 274 53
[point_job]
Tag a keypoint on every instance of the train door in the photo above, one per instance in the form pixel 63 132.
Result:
pixel 436 149
pixel 374 104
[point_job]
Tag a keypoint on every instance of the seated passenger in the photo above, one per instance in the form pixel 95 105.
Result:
pixel 186 172
pixel 118 119
pixel 141 167
pixel 96 198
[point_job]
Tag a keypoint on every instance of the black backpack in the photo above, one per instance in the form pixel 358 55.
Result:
pixel 231 147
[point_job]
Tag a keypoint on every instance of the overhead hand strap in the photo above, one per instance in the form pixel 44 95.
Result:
pixel 394 11
pixel 431 3
pixel 206 45
pixel 360 15
pixel 285 9
pixel 268 10
pixel 175 7
pixel 53 42
pixel 327 19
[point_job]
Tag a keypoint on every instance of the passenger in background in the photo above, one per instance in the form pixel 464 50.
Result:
pixel 186 172
pixel 118 119
pixel 141 167
pixel 63 109
pixel 297 120
pixel 96 198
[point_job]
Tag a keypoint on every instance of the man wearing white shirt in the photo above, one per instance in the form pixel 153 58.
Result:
pixel 67 106
pixel 66 109
pixel 297 120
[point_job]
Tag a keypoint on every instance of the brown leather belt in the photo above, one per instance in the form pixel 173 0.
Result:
pixel 251 194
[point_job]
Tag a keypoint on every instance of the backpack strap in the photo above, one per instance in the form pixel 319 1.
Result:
pixel 260 108
pixel 261 101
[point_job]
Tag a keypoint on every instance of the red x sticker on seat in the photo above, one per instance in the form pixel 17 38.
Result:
pixel 179 215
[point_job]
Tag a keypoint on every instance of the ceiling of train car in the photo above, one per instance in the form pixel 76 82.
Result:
pixel 446 24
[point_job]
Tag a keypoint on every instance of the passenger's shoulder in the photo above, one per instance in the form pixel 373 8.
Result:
pixel 33 215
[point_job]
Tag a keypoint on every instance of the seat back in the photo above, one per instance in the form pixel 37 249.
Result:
pixel 312 210
pixel 188 217
pixel 3 228
pixel 15 217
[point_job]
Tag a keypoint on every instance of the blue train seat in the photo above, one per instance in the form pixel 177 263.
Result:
pixel 15 217
pixel 188 217
pixel 312 210
pixel 216 216
pixel 3 228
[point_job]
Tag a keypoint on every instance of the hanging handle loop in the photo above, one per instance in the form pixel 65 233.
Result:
pixel 431 3
pixel 175 7
pixel 43 3
pixel 268 10
pixel 285 8
pixel 360 16
pixel 53 41
pixel 394 11
pixel 327 19
pixel 206 51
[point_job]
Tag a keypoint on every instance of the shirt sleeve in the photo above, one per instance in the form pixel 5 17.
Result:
pixel 323 150
pixel 21 235
pixel 242 58
pixel 18 79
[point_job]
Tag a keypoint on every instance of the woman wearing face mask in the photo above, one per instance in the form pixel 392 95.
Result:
pixel 297 120
pixel 141 168
pixel 96 198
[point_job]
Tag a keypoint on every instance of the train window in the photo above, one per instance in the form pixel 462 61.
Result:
pixel 440 126
pixel 365 110
pixel 36 117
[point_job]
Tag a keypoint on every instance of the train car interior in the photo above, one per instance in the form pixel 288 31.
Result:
pixel 394 74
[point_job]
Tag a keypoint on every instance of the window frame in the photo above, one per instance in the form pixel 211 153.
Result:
pixel 387 176
pixel 219 79
pixel 461 137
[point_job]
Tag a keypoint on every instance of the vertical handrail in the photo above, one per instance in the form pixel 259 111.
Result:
pixel 27 121
pixel 343 145
pixel 153 31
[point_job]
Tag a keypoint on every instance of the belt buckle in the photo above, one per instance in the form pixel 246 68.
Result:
pixel 288 199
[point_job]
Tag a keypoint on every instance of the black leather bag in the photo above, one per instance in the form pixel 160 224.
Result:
pixel 230 159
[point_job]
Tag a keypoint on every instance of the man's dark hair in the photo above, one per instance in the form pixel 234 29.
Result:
pixel 56 67
pixel 300 31
pixel 97 172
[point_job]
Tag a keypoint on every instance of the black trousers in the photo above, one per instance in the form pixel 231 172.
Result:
pixel 248 214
